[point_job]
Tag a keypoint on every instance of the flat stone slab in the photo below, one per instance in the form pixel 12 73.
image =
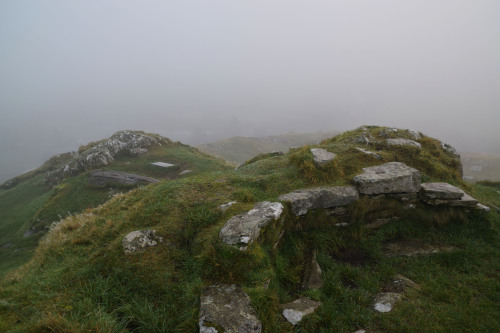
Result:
pixel 411 248
pixel 227 308
pixel 242 230
pixel 466 201
pixel 403 142
pixel 369 153
pixel 104 177
pixel 139 240
pixel 443 191
pixel 322 156
pixel 393 177
pixel 320 197
pixel 163 164
pixel 295 311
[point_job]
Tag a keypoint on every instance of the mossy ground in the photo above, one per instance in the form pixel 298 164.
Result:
pixel 79 279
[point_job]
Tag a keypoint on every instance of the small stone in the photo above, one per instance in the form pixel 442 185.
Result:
pixel 322 156
pixel 225 206
pixel 295 311
pixel 140 240
pixel 364 138
pixel 184 172
pixel 403 142
pixel 385 302
pixel 414 134
pixel 482 207
pixel 369 153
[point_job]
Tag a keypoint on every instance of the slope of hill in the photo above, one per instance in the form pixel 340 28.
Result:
pixel 339 248
pixel 481 166
pixel 240 149
pixel 30 202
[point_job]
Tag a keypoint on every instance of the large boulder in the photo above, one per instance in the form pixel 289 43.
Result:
pixel 302 201
pixel 295 311
pixel 322 156
pixel 139 240
pixel 103 178
pixel 242 230
pixel 393 177
pixel 227 308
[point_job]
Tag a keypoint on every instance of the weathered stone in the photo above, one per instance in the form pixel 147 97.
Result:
pixel 403 142
pixel 363 138
pixel 337 211
pixel 393 177
pixel 450 150
pixel 103 178
pixel 242 230
pixel 409 248
pixel 184 172
pixel 385 302
pixel 227 308
pixel 386 132
pixel 443 191
pixel 320 197
pixel 400 284
pixel 140 240
pixel 369 153
pixel 295 311
pixel 482 207
pixel 466 201
pixel 322 156
pixel 137 151
pixel 225 206
pixel 163 164
pixel 414 134
pixel 381 222
pixel 312 273
pixel 11 183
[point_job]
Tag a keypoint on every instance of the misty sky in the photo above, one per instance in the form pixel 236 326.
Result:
pixel 195 71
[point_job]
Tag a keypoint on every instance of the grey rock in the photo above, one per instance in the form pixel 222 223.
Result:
pixel 225 206
pixel 381 222
pixel 482 207
pixel 103 153
pixel 385 302
pixel 295 311
pixel 403 142
pixel 312 273
pixel 466 201
pixel 393 177
pixel 363 138
pixel 227 308
pixel 185 172
pixel 244 229
pixel 320 197
pixel 386 132
pixel 137 151
pixel 450 150
pixel 337 211
pixel 369 153
pixel 140 240
pixel 322 156
pixel 443 191
pixel 103 178
pixel 414 134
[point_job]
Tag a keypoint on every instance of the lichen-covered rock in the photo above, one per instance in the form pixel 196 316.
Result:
pixel 393 177
pixel 137 151
pixel 363 138
pixel 295 311
pixel 414 134
pixel 244 229
pixel 139 240
pixel 302 201
pixel 450 150
pixel 227 308
pixel 403 142
pixel 322 156
pixel 393 292
pixel 103 178
pixel 443 191
pixel 384 302
pixel 103 153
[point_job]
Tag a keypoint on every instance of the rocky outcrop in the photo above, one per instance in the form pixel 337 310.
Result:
pixel 244 229
pixel 227 308
pixel 322 156
pixel 295 311
pixel 103 153
pixel 393 177
pixel 103 178
pixel 403 142
pixel 139 240
pixel 302 201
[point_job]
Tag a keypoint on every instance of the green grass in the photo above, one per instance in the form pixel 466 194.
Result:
pixel 79 279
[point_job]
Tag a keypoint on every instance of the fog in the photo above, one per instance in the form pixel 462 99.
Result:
pixel 197 71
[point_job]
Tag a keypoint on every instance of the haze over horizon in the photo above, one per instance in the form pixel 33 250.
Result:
pixel 197 71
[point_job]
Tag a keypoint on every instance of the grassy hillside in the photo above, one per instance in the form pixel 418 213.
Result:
pixel 33 205
pixel 240 149
pixel 79 279
pixel 481 166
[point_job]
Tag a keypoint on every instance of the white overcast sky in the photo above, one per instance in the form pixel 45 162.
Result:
pixel 75 71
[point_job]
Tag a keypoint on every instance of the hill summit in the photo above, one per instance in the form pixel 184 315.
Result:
pixel 372 230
